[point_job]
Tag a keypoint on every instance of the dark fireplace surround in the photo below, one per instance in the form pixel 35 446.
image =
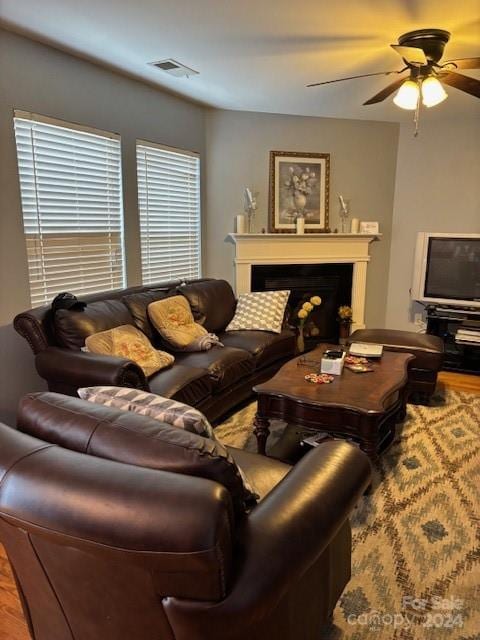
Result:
pixel 332 282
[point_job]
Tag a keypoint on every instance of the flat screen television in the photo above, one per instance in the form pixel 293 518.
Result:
pixel 447 269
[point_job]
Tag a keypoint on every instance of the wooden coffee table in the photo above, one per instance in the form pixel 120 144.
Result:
pixel 362 406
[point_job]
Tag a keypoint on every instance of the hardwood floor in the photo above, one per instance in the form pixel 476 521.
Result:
pixel 459 381
pixel 12 624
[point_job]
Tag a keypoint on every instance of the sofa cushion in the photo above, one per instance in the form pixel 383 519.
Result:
pixel 225 365
pixel 260 310
pixel 137 304
pixel 73 327
pixel 128 437
pixel 427 349
pixel 191 385
pixel 177 414
pixel 173 319
pixel 129 342
pixel 212 303
pixel 261 472
pixel 266 347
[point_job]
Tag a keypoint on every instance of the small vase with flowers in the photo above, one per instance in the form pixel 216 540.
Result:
pixel 345 315
pixel 302 314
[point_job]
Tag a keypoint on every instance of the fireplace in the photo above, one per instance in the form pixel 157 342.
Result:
pixel 332 282
pixel 282 250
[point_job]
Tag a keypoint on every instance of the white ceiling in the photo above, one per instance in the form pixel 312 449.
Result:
pixel 258 55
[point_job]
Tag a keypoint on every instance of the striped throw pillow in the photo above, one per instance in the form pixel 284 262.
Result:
pixel 159 408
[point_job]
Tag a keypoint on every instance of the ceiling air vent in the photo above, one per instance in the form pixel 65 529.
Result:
pixel 174 68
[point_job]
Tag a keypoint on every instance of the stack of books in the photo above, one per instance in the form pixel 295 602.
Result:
pixel 468 332
pixel 366 349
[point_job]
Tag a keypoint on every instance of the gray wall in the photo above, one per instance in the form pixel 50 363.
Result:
pixel 41 79
pixel 437 189
pixel 362 167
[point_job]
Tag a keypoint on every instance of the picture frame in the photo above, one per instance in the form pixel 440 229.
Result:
pixel 369 227
pixel 299 186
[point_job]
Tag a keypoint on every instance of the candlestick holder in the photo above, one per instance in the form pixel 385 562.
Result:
pixel 344 212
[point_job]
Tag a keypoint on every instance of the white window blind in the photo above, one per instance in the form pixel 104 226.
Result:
pixel 169 205
pixel 71 188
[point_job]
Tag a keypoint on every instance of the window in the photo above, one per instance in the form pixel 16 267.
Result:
pixel 71 188
pixel 169 204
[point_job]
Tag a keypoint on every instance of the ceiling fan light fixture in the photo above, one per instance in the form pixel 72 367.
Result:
pixel 407 96
pixel 432 92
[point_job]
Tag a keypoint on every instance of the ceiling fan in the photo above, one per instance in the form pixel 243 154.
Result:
pixel 421 51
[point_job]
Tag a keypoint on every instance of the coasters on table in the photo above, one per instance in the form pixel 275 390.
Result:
pixel 359 368
pixel 355 360
pixel 319 378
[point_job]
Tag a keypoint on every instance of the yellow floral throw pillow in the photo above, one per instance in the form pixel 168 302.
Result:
pixel 173 319
pixel 129 342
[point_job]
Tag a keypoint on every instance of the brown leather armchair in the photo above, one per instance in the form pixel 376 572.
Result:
pixel 103 547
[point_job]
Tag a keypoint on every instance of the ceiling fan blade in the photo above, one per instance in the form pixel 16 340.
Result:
pixel 464 83
pixel 387 91
pixel 464 63
pixel 364 75
pixel 413 55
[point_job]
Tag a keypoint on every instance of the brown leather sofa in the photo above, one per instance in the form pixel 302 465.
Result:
pixel 120 528
pixel 213 381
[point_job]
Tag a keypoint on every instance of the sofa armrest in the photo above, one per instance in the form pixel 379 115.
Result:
pixel 282 538
pixel 81 369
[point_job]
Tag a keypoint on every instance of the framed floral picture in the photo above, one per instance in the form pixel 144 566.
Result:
pixel 299 186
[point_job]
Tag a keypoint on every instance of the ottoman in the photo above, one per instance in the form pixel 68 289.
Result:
pixel 427 349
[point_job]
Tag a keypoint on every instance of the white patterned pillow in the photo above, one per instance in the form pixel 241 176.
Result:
pixel 162 409
pixel 260 310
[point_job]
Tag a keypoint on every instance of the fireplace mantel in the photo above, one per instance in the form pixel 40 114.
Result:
pixel 309 248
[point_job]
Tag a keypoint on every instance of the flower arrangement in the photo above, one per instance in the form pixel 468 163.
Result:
pixel 302 315
pixel 345 313
pixel 300 184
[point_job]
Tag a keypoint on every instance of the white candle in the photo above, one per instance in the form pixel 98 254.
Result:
pixel 354 225
pixel 241 223
pixel 300 225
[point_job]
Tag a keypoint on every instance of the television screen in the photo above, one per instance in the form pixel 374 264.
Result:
pixel 453 269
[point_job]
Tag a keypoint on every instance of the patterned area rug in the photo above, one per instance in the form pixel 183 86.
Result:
pixel 415 563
